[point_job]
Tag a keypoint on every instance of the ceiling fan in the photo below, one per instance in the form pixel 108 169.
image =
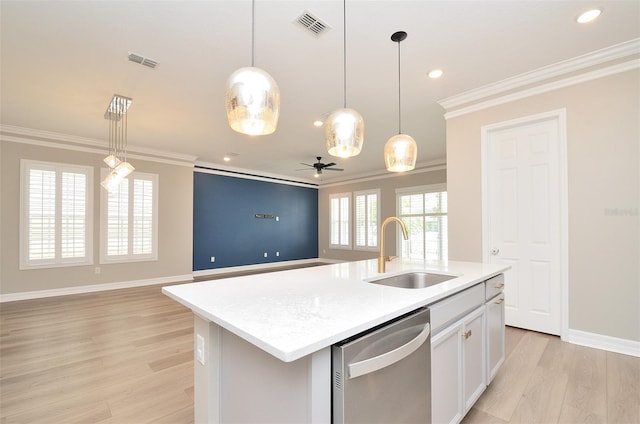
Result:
pixel 319 166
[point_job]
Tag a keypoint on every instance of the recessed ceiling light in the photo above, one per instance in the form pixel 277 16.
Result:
pixel 318 123
pixel 226 158
pixel 435 73
pixel 589 16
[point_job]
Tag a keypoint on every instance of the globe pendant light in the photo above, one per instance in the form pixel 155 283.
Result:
pixel 252 96
pixel 344 129
pixel 400 151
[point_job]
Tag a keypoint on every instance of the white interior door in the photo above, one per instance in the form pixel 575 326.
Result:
pixel 522 223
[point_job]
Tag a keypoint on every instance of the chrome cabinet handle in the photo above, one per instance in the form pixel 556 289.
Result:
pixel 381 361
pixel 495 251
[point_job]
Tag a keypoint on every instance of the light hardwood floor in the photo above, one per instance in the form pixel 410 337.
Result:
pixel 126 356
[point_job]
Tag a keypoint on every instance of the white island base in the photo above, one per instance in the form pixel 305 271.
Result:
pixel 263 342
pixel 240 382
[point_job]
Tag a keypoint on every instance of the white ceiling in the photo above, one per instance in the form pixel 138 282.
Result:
pixel 62 61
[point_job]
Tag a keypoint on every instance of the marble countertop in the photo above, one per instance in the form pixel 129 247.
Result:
pixel 293 313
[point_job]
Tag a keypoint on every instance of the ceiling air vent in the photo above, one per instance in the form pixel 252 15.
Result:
pixel 144 61
pixel 313 24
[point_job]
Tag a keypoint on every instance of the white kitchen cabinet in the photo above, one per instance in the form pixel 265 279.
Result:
pixel 458 367
pixel 495 336
pixel 446 375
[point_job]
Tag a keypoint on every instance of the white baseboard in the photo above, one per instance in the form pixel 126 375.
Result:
pixel 12 297
pixel 599 341
pixel 218 271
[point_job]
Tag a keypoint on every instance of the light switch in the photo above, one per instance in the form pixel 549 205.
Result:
pixel 213 259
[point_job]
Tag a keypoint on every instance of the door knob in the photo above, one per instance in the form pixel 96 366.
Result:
pixel 495 251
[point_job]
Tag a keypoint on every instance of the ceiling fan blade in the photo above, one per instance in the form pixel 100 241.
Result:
pixel 333 169
pixel 301 163
pixel 329 164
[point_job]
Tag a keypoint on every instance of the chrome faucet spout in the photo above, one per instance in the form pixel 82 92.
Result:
pixel 381 258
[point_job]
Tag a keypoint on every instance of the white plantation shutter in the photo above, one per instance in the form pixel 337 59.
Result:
pixel 366 219
pixel 129 220
pixel 142 217
pixel 340 222
pixel 42 214
pixel 118 220
pixel 55 227
pixel 73 217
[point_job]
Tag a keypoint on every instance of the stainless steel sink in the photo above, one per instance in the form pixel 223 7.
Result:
pixel 413 280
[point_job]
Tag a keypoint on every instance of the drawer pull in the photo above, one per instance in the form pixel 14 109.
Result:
pixel 499 285
pixel 467 334
pixel 499 301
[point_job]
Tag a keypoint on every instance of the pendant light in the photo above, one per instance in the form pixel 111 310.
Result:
pixel 401 150
pixel 344 129
pixel 252 96
pixel 117 159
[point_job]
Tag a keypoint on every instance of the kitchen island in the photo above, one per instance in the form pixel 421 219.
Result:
pixel 262 342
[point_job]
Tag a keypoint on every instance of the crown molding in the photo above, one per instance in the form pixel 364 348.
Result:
pixel 615 52
pixel 430 166
pixel 555 85
pixel 230 171
pixel 31 136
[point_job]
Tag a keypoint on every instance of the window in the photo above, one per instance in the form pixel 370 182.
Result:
pixel 55 213
pixel 424 211
pixel 366 219
pixel 340 222
pixel 129 220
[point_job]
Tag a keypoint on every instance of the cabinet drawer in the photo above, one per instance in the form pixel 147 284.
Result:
pixel 452 308
pixel 494 286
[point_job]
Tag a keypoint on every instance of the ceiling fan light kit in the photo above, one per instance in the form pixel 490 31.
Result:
pixel 252 96
pixel 344 128
pixel 401 150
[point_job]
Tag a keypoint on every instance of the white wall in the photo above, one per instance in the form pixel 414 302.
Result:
pixel 603 138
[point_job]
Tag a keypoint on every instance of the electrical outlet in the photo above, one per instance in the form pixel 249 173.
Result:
pixel 200 348
pixel 213 259
pixel 277 253
pixel 265 254
pixel 97 270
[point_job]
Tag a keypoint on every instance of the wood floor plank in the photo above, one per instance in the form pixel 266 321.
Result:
pixel 587 389
pixel 623 388
pixel 502 396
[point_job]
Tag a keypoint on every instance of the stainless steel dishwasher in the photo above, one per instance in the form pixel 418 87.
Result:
pixel 384 375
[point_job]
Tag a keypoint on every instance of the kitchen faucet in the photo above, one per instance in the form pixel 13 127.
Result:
pixel 381 258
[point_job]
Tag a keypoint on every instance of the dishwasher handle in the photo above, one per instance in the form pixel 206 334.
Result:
pixel 376 363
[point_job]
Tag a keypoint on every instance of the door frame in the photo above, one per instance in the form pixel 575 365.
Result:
pixel 560 115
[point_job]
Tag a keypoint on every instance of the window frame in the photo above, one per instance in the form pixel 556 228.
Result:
pixel 104 205
pixel 425 189
pixel 26 165
pixel 367 246
pixel 340 196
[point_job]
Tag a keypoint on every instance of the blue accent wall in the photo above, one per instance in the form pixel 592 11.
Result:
pixel 225 223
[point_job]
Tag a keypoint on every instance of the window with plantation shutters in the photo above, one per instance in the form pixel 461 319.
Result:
pixel 424 212
pixel 129 220
pixel 56 212
pixel 340 221
pixel 366 219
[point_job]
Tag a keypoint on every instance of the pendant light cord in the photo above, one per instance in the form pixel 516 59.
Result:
pixel 344 49
pixel 253 29
pixel 399 102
